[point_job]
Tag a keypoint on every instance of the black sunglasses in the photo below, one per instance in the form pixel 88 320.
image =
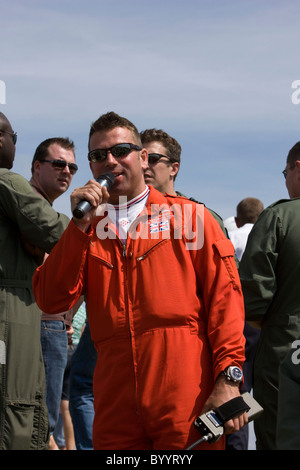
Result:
pixel 155 157
pixel 13 134
pixel 118 151
pixel 286 170
pixel 61 164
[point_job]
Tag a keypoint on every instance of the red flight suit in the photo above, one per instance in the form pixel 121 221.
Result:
pixel 165 319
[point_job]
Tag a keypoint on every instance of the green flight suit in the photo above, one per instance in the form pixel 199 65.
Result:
pixel 288 418
pixel 23 215
pixel 270 274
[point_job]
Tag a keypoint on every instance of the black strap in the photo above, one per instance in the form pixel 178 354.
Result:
pixel 231 409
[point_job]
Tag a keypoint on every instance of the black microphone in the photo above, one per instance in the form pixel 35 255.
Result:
pixel 106 180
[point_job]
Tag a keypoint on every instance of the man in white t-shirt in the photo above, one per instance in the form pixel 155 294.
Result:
pixel 247 212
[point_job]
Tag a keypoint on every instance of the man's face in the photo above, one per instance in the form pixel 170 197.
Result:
pixel 7 147
pixel 160 173
pixel 128 170
pixel 55 181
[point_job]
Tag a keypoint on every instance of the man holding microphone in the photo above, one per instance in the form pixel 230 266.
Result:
pixel 167 320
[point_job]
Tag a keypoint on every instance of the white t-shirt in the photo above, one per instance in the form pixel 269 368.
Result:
pixel 123 214
pixel 239 239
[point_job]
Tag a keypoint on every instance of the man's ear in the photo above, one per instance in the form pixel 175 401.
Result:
pixel 36 167
pixel 144 158
pixel 237 222
pixel 175 169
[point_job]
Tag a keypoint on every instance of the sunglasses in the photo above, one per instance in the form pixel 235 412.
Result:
pixel 61 165
pixel 286 170
pixel 284 173
pixel 118 151
pixel 155 157
pixel 13 134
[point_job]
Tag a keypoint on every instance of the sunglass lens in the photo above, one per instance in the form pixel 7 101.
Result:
pixel 60 164
pixel 119 151
pixel 97 155
pixel 153 158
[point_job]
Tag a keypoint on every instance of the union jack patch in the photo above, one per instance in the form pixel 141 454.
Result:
pixel 159 225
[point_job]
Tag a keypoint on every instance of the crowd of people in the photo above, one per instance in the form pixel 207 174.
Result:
pixel 119 328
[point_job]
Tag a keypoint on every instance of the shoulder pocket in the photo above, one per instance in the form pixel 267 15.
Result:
pixel 225 250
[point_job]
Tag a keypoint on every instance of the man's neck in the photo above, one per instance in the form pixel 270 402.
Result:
pixel 172 192
pixel 169 189
pixel 36 185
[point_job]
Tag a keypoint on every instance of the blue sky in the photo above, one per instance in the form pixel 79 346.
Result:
pixel 216 75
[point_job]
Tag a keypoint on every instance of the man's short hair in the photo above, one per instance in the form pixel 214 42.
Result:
pixel 294 154
pixel 110 121
pixel 248 210
pixel 171 145
pixel 41 151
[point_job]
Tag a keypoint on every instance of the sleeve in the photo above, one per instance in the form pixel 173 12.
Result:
pixel 258 265
pixel 222 296
pixel 35 219
pixel 65 264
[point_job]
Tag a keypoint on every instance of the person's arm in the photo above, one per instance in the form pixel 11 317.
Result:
pixel 60 281
pixel 223 392
pixel 223 300
pixel 37 222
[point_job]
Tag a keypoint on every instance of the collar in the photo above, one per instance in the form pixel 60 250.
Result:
pixel 40 192
pixel 126 205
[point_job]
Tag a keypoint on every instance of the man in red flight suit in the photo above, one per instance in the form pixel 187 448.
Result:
pixel 166 316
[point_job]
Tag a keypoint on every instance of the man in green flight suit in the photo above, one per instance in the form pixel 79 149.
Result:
pixel 25 217
pixel 270 273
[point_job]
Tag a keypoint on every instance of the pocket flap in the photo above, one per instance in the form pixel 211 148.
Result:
pixel 225 248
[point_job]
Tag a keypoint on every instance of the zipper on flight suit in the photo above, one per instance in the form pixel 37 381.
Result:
pixel 126 293
pixel 140 258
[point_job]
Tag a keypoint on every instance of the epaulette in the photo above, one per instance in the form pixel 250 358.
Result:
pixel 281 201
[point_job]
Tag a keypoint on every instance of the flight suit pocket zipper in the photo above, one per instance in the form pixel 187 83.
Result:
pixel 140 258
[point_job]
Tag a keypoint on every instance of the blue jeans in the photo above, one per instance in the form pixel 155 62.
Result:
pixel 54 343
pixel 81 402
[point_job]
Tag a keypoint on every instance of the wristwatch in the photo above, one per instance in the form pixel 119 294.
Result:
pixel 233 373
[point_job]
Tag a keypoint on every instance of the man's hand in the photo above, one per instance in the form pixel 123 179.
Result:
pixel 225 390
pixel 95 195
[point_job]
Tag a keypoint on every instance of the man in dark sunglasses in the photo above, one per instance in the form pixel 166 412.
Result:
pixel 158 311
pixel 26 219
pixel 163 159
pixel 164 155
pixel 53 167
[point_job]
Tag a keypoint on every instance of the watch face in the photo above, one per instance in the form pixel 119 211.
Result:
pixel 236 373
